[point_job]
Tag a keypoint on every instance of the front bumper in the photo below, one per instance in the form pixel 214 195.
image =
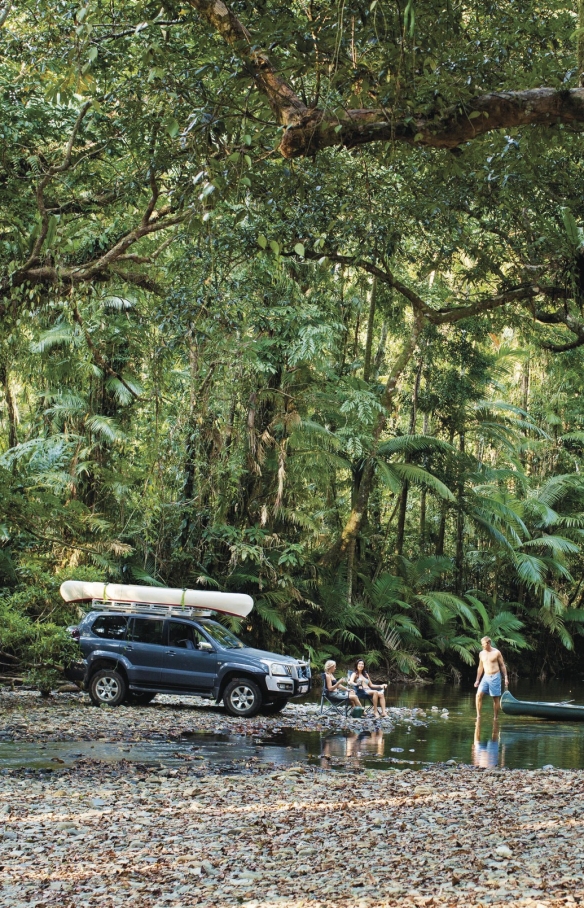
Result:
pixel 287 687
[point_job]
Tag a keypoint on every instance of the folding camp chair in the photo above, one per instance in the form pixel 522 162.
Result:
pixel 337 703
pixel 365 701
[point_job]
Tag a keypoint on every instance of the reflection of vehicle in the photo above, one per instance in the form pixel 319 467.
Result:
pixel 135 650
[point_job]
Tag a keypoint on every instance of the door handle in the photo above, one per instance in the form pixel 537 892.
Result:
pixel 128 649
pixel 170 652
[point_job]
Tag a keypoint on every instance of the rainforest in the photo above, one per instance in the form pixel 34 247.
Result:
pixel 291 304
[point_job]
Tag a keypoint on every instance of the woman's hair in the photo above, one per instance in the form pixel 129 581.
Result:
pixel 330 663
pixel 357 666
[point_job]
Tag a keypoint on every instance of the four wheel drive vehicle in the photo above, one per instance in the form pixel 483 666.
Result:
pixel 131 654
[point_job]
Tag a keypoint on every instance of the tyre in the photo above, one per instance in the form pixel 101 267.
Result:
pixel 268 709
pixel 242 698
pixel 107 687
pixel 137 699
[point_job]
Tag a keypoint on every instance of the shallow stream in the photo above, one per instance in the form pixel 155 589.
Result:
pixel 511 742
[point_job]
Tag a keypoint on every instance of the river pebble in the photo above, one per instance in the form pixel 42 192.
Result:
pixel 103 836
pixel 25 716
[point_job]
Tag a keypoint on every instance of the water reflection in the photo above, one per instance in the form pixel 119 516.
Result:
pixel 352 747
pixel 490 753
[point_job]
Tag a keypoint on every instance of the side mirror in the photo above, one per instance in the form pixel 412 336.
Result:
pixel 205 647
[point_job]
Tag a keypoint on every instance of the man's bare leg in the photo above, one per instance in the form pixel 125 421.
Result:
pixel 496 706
pixel 479 702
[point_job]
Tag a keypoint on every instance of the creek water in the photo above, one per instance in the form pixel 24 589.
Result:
pixel 512 742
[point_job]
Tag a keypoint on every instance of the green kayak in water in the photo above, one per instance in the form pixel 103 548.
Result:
pixel 541 709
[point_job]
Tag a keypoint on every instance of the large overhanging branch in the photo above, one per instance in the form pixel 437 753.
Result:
pixel 308 130
pixel 566 319
pixel 40 271
pixel 286 105
pixel 447 315
pixel 103 268
pixel 448 129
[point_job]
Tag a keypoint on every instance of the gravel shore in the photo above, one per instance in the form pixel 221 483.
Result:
pixel 242 833
pixel 25 716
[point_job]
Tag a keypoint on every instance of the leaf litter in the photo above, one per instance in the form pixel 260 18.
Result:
pixel 101 835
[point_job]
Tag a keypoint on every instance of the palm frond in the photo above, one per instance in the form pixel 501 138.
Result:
pixel 105 427
pixel 419 477
pixel 556 544
pixel 413 444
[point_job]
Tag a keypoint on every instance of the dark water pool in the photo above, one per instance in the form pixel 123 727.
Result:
pixel 515 742
pixel 511 742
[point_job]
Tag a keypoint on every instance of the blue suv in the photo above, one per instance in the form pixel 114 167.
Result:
pixel 131 658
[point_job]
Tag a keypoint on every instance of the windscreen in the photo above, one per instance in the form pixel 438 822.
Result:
pixel 223 637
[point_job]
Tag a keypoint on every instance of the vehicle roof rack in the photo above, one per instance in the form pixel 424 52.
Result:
pixel 146 608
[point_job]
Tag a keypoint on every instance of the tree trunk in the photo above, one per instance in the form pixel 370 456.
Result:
pixel 442 528
pixel 580 46
pixel 403 500
pixel 441 532
pixel 525 381
pixel 423 500
pixel 350 569
pixel 10 407
pixel 370 324
pixel 460 522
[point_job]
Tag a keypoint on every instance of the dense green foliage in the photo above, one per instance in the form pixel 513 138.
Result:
pixel 348 384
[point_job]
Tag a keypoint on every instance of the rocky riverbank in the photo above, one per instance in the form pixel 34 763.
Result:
pixel 102 836
pixel 261 835
pixel 25 716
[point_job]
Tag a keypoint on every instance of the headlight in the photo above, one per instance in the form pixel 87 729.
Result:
pixel 277 668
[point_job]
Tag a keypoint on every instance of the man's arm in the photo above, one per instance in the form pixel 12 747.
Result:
pixel 480 671
pixel 503 668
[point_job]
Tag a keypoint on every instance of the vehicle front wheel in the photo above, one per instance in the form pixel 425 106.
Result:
pixel 242 698
pixel 107 687
pixel 268 709
pixel 134 699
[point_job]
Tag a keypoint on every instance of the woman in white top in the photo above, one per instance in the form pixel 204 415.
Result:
pixel 376 692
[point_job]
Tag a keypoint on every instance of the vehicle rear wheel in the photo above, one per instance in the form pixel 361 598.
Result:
pixel 107 687
pixel 242 698
pixel 268 709
pixel 138 699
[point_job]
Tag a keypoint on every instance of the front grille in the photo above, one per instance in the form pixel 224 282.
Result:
pixel 288 670
pixel 302 671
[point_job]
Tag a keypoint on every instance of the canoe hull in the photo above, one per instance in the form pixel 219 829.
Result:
pixel 226 603
pixel 563 712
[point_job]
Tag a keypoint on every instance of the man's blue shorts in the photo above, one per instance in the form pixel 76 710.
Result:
pixel 490 684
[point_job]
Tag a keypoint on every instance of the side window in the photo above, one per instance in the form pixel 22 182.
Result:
pixel 183 636
pixel 146 630
pixel 111 627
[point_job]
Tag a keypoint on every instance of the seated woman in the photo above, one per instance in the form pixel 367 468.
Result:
pixel 375 692
pixel 337 690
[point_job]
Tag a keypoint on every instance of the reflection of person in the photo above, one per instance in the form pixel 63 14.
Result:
pixel 375 692
pixel 486 755
pixel 337 690
pixel 491 665
pixel 332 746
pixel 351 746
pixel 373 742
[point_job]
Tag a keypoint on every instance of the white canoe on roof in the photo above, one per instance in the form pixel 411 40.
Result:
pixel 228 603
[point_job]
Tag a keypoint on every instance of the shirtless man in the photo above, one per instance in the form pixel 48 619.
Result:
pixel 491 665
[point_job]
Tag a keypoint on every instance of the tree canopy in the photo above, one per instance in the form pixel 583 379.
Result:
pixel 291 302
